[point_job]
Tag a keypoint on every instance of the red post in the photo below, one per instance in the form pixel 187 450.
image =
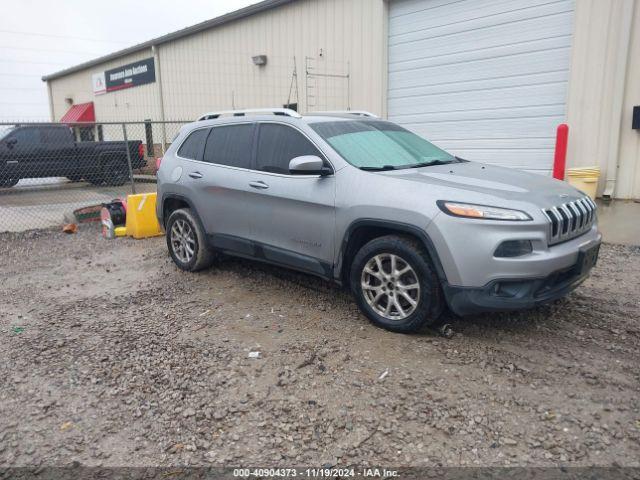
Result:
pixel 560 159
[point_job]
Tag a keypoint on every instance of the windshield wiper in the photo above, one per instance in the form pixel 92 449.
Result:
pixel 431 164
pixel 378 169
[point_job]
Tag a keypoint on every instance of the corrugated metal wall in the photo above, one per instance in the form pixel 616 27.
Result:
pixel 213 69
pixel 603 88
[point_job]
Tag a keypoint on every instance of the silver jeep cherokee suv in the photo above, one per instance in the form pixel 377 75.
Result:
pixel 408 227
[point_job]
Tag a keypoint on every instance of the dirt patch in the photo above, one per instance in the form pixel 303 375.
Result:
pixel 112 356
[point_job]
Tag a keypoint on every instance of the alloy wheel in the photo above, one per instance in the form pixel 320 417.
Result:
pixel 390 286
pixel 183 240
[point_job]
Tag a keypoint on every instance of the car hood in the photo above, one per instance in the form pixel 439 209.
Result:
pixel 501 182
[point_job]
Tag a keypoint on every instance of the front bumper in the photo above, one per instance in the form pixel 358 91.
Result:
pixel 509 294
pixel 466 247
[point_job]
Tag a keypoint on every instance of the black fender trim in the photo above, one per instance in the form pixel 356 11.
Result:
pixel 176 196
pixel 391 225
pixel 252 250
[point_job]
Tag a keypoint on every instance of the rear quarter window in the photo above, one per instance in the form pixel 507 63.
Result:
pixel 192 147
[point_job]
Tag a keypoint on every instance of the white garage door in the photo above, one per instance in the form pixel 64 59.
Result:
pixel 484 79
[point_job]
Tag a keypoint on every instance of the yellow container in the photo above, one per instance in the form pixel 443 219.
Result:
pixel 585 179
pixel 141 216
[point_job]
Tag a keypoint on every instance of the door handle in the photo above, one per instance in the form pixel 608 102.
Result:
pixel 261 185
pixel 195 175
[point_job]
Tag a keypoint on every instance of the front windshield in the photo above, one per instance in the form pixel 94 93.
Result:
pixel 380 145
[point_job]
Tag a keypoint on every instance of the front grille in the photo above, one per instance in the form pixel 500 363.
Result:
pixel 570 220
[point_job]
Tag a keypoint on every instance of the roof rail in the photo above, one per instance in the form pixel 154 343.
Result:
pixel 356 113
pixel 287 112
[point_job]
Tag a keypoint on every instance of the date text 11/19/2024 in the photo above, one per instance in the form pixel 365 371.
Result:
pixel 314 472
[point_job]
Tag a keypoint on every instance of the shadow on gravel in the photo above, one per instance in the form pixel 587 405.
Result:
pixel 523 322
pixel 248 268
pixel 526 320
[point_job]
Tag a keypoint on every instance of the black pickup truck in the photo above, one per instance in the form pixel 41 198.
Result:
pixel 37 151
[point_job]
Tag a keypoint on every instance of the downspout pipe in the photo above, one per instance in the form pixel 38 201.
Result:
pixel 50 94
pixel 156 59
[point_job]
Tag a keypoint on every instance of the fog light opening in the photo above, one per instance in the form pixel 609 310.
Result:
pixel 513 248
pixel 510 289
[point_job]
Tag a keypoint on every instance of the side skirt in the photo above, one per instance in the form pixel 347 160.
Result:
pixel 251 250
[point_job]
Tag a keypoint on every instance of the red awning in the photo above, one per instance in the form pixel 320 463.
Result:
pixel 82 112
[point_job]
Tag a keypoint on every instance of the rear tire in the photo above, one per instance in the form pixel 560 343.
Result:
pixel 186 241
pixel 115 172
pixel 395 284
pixel 95 179
pixel 9 182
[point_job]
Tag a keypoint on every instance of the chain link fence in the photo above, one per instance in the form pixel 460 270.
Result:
pixel 49 170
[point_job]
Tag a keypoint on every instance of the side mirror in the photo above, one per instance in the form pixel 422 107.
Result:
pixel 309 165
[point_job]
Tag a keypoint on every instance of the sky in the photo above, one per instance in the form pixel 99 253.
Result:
pixel 39 37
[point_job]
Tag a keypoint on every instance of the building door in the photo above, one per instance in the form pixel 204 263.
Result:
pixel 484 79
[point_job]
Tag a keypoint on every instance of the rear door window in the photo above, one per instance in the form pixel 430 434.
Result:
pixel 278 145
pixel 192 146
pixel 230 145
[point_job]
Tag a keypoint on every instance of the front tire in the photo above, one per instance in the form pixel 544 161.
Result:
pixel 395 285
pixel 186 241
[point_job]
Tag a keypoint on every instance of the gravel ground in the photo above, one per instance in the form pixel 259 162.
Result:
pixel 111 356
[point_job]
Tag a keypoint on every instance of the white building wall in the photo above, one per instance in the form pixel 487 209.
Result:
pixel 603 88
pixel 213 70
pixel 628 178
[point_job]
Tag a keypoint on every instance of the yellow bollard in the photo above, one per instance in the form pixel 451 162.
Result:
pixel 141 216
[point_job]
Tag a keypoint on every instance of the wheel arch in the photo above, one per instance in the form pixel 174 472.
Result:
pixel 362 231
pixel 172 202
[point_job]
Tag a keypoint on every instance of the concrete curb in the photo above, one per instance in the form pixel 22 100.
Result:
pixel 144 178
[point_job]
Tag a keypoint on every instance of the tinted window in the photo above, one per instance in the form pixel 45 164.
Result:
pixel 56 136
pixel 26 136
pixel 192 146
pixel 230 145
pixel 278 145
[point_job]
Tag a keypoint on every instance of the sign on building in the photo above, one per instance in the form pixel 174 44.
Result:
pixel 127 76
pixel 99 83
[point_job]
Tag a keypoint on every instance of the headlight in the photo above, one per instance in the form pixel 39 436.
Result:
pixel 482 212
